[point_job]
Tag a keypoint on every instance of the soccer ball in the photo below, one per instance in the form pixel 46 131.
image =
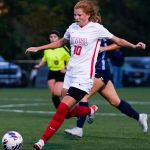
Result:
pixel 12 140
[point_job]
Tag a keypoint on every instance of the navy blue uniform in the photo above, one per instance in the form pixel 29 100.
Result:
pixel 102 69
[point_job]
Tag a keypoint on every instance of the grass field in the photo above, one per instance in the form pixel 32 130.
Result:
pixel 28 111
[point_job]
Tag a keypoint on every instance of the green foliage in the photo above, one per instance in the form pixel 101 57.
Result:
pixel 29 22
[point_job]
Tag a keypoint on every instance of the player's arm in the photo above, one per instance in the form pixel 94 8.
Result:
pixel 41 64
pixel 110 47
pixel 125 43
pixel 57 44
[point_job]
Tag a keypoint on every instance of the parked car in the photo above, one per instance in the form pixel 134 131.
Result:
pixel 10 73
pixel 136 71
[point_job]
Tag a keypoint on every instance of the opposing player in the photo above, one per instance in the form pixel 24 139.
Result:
pixel 57 60
pixel 84 36
pixel 104 86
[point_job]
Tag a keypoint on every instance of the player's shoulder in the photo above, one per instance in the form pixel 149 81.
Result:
pixel 96 25
pixel 73 26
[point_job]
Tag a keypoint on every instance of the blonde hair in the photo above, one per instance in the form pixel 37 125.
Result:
pixel 89 8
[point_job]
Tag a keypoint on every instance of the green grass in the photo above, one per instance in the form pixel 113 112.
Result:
pixel 107 132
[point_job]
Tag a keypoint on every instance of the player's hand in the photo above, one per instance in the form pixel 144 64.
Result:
pixel 32 49
pixel 63 70
pixel 37 66
pixel 140 45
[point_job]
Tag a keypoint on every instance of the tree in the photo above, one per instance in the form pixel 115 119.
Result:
pixel 28 22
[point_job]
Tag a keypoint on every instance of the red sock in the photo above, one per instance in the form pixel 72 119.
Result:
pixel 78 111
pixel 56 121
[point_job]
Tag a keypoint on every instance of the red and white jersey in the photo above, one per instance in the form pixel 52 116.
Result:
pixel 85 44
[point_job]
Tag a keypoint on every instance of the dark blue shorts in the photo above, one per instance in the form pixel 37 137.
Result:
pixel 56 75
pixel 105 75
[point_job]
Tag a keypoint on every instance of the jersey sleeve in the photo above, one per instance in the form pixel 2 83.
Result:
pixel 104 33
pixel 67 34
pixel 44 58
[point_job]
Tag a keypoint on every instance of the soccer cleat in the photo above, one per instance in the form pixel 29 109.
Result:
pixel 90 118
pixel 76 131
pixel 38 145
pixel 143 122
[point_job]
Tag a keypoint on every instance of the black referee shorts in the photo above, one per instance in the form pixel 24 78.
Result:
pixel 56 75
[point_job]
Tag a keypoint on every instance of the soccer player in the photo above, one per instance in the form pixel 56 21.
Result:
pixel 104 86
pixel 84 36
pixel 56 59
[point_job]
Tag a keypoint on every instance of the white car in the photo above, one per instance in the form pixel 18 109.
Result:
pixel 10 74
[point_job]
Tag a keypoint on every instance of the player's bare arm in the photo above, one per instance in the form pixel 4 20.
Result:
pixel 42 63
pixel 110 47
pixel 125 43
pixel 57 44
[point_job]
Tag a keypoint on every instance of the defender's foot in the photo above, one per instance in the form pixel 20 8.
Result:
pixel 76 131
pixel 90 118
pixel 143 122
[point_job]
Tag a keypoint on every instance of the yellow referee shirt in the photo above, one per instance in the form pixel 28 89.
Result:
pixel 56 59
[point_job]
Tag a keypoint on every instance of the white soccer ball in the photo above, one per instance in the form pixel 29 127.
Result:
pixel 12 140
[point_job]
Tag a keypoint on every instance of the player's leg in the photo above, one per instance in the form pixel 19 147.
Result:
pixel 57 87
pixel 63 111
pixel 78 130
pixel 74 95
pixel 64 92
pixel 110 94
pixel 57 92
pixel 56 121
pixel 98 84
pixel 55 99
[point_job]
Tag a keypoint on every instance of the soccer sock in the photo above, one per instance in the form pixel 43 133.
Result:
pixel 127 109
pixel 56 101
pixel 81 120
pixel 79 111
pixel 56 121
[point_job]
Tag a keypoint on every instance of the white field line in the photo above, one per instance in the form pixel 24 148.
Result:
pixel 22 99
pixel 27 111
pixel 96 101
pixel 22 105
pixel 39 104
pixel 52 112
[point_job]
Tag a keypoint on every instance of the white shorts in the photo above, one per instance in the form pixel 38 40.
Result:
pixel 81 83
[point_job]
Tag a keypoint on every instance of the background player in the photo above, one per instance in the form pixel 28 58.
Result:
pixel 56 59
pixel 104 86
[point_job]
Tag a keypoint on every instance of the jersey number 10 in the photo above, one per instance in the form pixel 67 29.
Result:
pixel 77 50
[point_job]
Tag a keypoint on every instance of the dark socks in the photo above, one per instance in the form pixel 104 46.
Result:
pixel 56 101
pixel 81 120
pixel 127 109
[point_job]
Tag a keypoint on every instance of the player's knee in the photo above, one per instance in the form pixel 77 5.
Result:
pixel 58 93
pixel 115 103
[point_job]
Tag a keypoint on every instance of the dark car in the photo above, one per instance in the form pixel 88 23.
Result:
pixel 11 74
pixel 136 71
